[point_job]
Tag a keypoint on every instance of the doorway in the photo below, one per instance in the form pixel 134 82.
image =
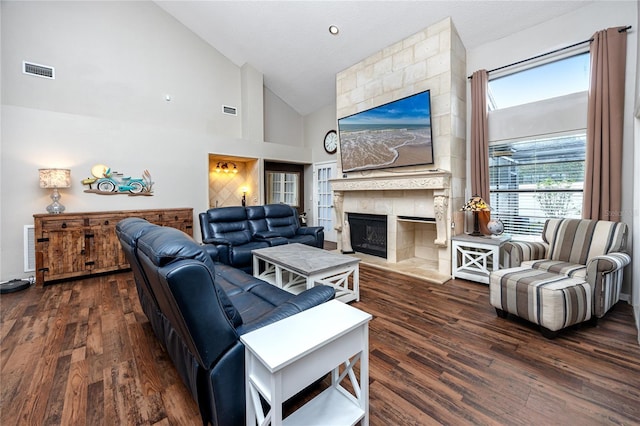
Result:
pixel 284 183
pixel 323 198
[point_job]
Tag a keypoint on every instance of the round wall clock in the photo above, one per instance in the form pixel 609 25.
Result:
pixel 331 142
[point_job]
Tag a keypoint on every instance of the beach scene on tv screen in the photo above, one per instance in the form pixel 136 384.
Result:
pixel 392 135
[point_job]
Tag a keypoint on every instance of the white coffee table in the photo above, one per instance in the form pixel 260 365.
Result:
pixel 283 358
pixel 296 267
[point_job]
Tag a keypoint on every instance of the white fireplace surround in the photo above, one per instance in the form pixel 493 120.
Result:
pixel 411 202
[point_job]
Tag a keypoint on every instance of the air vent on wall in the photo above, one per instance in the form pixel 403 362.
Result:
pixel 229 110
pixel 38 70
pixel 29 249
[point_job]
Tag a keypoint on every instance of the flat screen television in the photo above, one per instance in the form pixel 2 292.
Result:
pixel 395 134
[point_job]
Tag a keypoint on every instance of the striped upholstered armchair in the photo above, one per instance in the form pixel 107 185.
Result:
pixel 573 275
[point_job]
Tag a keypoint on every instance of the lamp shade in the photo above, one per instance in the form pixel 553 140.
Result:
pixel 55 178
pixel 475 204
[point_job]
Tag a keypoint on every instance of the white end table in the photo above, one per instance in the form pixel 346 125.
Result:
pixel 285 357
pixel 474 258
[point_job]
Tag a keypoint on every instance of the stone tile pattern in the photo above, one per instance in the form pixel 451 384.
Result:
pixel 433 59
pixel 225 188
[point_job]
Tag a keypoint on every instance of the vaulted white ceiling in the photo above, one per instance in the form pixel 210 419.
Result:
pixel 290 44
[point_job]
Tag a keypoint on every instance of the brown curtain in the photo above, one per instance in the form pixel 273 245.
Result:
pixel 479 135
pixel 603 166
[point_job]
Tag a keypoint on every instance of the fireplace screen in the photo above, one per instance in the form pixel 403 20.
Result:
pixel 368 233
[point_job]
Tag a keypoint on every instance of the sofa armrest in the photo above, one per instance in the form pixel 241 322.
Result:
pixel 605 274
pixel 217 241
pixel 309 230
pixel 212 251
pixel 608 263
pixel 270 237
pixel 221 247
pixel 516 252
pixel 264 235
pixel 276 241
pixel 307 299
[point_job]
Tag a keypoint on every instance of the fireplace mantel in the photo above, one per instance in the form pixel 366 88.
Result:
pixel 437 179
pixel 435 184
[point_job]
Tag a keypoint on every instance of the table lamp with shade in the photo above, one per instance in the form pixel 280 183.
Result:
pixel 55 178
pixel 474 205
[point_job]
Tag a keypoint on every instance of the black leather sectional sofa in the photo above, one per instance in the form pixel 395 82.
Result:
pixel 198 309
pixel 235 231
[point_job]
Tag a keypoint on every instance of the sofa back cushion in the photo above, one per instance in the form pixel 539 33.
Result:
pixel 229 223
pixel 257 220
pixel 282 219
pixel 129 230
pixel 164 245
pixel 579 240
pixel 549 230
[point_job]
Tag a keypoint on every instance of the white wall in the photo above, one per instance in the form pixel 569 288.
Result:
pixel 563 31
pixel 282 124
pixel 114 62
pixel 316 126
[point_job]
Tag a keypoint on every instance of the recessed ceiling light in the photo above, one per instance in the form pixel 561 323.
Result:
pixel 334 30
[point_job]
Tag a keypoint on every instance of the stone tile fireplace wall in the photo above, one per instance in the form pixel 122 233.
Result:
pixel 432 59
pixel 417 213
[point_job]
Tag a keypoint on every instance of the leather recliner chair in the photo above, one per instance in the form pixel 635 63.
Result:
pixel 281 221
pixel 227 228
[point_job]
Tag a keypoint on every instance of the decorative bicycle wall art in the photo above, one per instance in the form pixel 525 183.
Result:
pixel 109 182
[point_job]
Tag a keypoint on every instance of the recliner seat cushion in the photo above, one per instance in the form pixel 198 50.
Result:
pixel 233 280
pixel 303 239
pixel 558 267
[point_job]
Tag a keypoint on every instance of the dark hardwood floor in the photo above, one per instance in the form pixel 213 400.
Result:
pixel 83 353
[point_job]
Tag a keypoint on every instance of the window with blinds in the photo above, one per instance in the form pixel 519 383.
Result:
pixel 537 142
pixel 535 179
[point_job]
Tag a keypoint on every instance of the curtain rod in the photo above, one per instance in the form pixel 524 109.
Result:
pixel 621 30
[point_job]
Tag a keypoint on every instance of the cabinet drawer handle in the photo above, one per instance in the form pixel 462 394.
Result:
pixel 64 225
pixel 106 222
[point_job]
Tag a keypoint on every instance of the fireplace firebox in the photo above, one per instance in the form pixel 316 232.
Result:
pixel 368 233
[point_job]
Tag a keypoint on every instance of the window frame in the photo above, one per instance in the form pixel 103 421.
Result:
pixel 540 120
pixel 283 169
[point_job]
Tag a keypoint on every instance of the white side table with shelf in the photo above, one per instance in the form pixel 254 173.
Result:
pixel 285 357
pixel 474 258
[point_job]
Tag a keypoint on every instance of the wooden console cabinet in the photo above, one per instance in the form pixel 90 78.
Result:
pixel 70 245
